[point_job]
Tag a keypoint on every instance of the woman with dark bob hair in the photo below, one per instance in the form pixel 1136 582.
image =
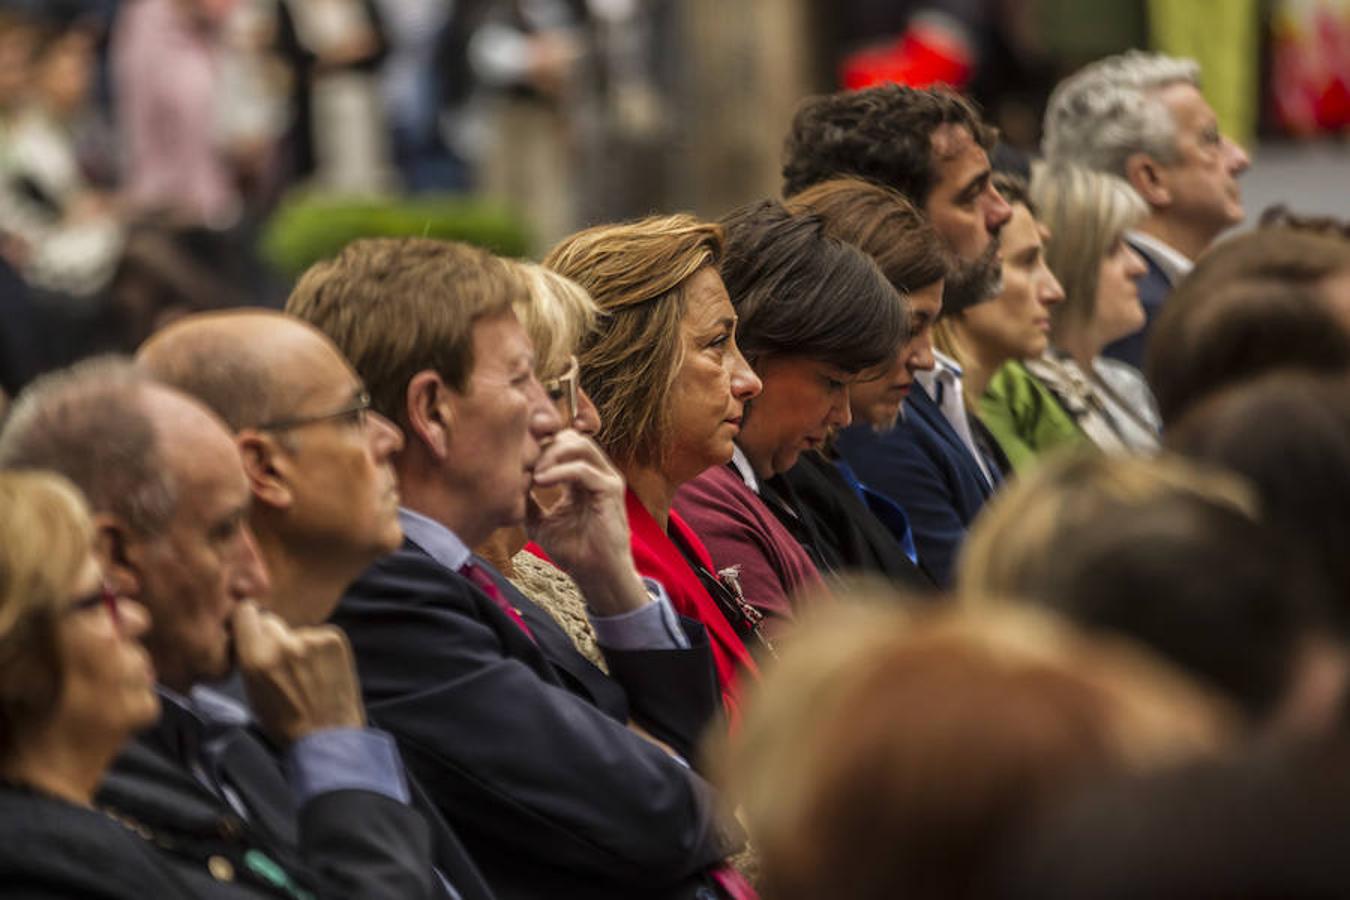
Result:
pixel 869 531
pixel 815 314
pixel 670 386
pixel 75 685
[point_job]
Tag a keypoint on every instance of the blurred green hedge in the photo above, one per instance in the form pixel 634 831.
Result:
pixel 308 228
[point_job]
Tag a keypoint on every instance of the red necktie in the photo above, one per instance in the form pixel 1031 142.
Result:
pixel 485 583
pixel 733 884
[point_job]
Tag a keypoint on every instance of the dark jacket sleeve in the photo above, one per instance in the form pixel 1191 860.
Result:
pixel 672 693
pixel 363 844
pixel 512 758
pixel 344 844
pixel 908 467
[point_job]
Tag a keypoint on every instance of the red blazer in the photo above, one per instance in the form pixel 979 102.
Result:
pixel 657 557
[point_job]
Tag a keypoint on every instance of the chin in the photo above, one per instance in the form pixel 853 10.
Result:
pixel 392 538
pixel 147 711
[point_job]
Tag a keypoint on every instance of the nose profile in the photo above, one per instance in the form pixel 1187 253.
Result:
pixel 1052 292
pixel 841 415
pixel 587 419
pixel 921 355
pixel 1135 267
pixel 544 418
pixel 386 438
pixel 133 619
pixel 1238 160
pixel 249 577
pixel 997 211
pixel 745 384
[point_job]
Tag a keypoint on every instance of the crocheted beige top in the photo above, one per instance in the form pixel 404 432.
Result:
pixel 560 597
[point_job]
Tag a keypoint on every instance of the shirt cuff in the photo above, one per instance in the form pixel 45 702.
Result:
pixel 346 759
pixel 653 626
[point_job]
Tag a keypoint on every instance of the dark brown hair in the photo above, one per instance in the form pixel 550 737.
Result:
pixel 799 292
pixel 883 134
pixel 881 223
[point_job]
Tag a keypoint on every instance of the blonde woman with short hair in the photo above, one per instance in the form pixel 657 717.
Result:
pixel 75 685
pixel 1087 214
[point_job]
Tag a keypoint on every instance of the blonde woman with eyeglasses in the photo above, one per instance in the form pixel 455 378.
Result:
pixel 75 685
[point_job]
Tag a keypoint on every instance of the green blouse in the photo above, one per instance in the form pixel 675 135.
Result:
pixel 1025 417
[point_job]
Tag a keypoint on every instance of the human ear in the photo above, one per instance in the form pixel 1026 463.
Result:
pixel 431 413
pixel 267 466
pixel 1146 176
pixel 120 553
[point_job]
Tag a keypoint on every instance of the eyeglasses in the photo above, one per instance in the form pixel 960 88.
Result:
pixel 355 411
pixel 563 391
pixel 104 596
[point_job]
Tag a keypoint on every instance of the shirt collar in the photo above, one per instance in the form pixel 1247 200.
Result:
pixel 1168 258
pixel 744 469
pixel 946 372
pixel 439 542
pixel 946 365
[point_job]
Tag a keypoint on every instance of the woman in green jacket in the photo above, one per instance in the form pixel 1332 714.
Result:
pixel 990 338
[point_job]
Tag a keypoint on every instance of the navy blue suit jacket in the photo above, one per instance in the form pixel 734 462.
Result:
pixel 923 465
pixel 522 742
pixel 1154 289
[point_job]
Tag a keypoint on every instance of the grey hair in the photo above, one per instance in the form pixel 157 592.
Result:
pixel 1107 111
pixel 89 423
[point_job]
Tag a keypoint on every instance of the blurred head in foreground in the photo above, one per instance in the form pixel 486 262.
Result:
pixel 890 755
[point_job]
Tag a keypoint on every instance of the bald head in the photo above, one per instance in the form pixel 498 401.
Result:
pixel 247 365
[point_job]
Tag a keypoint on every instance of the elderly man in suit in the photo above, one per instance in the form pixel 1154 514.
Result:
pixel 938 463
pixel 563 781
pixel 1141 116
pixel 317 459
pixel 300 797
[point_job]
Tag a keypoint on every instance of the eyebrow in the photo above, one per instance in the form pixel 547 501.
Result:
pixel 975 186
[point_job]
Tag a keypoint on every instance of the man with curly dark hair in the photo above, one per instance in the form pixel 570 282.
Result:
pixel 930 145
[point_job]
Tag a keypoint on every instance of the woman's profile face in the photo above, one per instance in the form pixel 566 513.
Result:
pixel 108 681
pixel 1016 323
pixel 802 400
pixel 712 383
pixel 1119 313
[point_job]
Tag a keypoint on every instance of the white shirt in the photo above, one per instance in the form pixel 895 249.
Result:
pixel 744 469
pixel 943 384
pixel 1174 264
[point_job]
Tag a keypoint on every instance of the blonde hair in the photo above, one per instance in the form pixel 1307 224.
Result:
pixel 557 314
pixel 636 272
pixel 45 541
pixel 888 753
pixel 1086 212
pixel 1012 545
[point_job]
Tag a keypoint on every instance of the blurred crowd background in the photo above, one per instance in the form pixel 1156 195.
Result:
pixel 160 156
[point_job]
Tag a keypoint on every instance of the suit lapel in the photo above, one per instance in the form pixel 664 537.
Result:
pixel 928 410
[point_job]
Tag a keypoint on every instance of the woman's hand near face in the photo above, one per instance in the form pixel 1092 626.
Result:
pixel 585 531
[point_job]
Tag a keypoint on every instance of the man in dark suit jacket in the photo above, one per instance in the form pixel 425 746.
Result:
pixel 923 465
pixel 318 462
pixel 932 146
pixel 207 785
pixel 1141 117
pixel 563 782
